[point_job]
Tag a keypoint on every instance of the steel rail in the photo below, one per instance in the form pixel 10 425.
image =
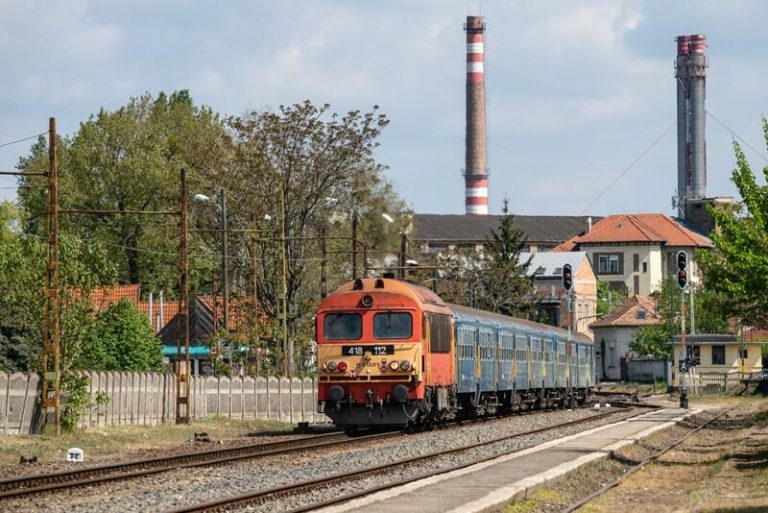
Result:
pixel 616 482
pixel 25 485
pixel 264 496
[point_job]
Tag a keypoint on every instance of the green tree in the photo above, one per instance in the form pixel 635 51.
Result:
pixel 22 298
pixel 608 298
pixel 737 269
pixel 708 316
pixel 130 159
pixel 121 339
pixel 295 170
pixel 502 284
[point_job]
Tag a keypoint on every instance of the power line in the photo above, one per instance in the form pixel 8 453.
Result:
pixel 629 167
pixel 736 136
pixel 22 140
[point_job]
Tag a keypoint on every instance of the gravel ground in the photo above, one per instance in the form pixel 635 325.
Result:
pixel 24 469
pixel 174 489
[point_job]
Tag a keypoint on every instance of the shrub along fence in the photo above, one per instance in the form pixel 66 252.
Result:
pixel 149 398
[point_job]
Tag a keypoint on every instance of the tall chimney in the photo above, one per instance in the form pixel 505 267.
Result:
pixel 475 168
pixel 691 75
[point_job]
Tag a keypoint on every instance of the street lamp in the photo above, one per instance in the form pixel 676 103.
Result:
pixel 202 198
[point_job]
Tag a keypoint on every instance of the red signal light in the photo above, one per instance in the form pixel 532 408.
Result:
pixel 342 366
pixel 567 277
pixel 682 278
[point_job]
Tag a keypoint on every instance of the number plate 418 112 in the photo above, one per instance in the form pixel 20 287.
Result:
pixel 374 349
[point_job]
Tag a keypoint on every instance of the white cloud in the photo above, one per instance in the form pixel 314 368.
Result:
pixel 95 42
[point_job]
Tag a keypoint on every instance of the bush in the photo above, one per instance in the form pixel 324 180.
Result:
pixel 121 339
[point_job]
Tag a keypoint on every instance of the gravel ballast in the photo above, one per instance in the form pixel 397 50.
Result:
pixel 174 489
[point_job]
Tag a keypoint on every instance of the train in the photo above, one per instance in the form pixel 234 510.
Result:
pixel 392 353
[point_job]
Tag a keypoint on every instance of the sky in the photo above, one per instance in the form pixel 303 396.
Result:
pixel 578 91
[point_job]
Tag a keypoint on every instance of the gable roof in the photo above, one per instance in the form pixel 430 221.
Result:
pixel 200 325
pixel 103 297
pixel 636 311
pixel 642 228
pixel 474 228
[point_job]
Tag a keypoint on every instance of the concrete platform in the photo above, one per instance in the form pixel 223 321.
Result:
pixel 491 484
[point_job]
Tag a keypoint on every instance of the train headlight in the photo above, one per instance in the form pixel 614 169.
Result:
pixel 342 366
pixel 330 366
pixel 405 365
pixel 394 365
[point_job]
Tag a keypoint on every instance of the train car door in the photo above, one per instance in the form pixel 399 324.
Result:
pixel 506 360
pixel 466 357
pixel 486 346
pixel 528 361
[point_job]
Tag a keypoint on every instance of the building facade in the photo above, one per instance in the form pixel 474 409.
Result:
pixel 577 309
pixel 636 252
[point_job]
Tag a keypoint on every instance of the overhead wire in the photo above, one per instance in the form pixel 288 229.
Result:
pixel 736 136
pixel 23 139
pixel 630 166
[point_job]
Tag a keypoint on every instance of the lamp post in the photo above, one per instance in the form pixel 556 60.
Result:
pixel 224 249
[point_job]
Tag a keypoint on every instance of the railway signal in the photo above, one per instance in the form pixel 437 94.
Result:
pixel 567 277
pixel 682 269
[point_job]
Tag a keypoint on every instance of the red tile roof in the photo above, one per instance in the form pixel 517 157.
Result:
pixel 170 309
pixel 657 228
pixel 103 297
pixel 627 314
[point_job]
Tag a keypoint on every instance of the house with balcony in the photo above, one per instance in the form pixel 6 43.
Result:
pixel 637 252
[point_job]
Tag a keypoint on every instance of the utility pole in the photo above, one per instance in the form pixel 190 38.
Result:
pixel 51 387
pixel 183 367
pixel 354 242
pixel 323 263
pixel 683 343
pixel 403 251
pixel 287 348
pixel 458 276
pixel 225 263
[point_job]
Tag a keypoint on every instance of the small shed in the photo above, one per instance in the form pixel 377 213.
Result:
pixel 614 332
pixel 719 356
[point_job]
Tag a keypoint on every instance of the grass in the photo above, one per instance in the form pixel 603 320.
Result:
pixel 110 441
pixel 540 496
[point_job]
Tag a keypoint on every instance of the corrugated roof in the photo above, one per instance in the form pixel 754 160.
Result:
pixel 636 311
pixel 658 228
pixel 473 228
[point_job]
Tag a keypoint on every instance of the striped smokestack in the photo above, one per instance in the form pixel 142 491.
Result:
pixel 475 168
pixel 691 76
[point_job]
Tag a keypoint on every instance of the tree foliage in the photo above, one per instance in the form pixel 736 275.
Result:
pixel 295 171
pixel 130 159
pixel 22 298
pixel 121 339
pixel 291 175
pixel 502 284
pixel 737 269
pixel 706 316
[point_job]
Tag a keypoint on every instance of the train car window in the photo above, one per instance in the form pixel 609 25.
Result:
pixel 439 333
pixel 342 326
pixel 392 325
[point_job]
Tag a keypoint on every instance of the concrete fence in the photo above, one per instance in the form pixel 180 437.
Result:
pixel 149 398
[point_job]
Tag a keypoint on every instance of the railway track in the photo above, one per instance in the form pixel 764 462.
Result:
pixel 261 497
pixel 17 487
pixel 582 502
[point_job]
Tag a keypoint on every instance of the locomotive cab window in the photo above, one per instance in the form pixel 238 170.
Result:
pixel 343 326
pixel 392 325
